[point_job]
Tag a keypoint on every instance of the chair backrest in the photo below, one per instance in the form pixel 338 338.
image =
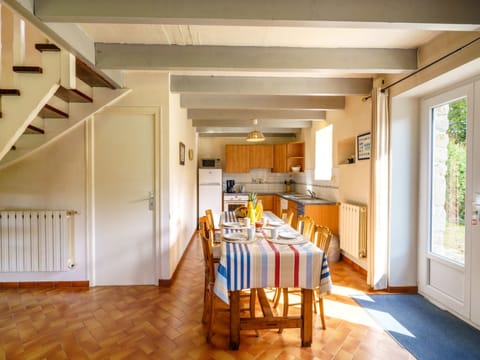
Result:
pixel 211 222
pixel 305 226
pixel 207 235
pixel 287 216
pixel 322 237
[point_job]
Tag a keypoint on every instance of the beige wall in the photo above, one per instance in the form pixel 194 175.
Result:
pixel 56 177
pixel 52 178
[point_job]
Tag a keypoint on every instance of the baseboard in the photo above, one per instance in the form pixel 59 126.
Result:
pixel 44 284
pixel 354 265
pixel 403 289
pixel 169 282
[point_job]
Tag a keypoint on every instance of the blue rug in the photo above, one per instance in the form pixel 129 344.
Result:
pixel 425 330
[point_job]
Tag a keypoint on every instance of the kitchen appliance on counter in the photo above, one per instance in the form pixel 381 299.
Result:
pixel 209 190
pixel 232 201
pixel 230 186
pixel 210 164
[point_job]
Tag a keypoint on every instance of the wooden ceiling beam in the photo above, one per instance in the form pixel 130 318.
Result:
pixel 253 58
pixel 425 14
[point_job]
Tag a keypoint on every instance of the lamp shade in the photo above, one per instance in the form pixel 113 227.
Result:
pixel 255 136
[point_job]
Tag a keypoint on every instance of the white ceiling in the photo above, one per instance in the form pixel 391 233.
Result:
pixel 266 36
pixel 299 40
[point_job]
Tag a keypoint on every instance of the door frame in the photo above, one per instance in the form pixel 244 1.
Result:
pixel 438 297
pixel 90 183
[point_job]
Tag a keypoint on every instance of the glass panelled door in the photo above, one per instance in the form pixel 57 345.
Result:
pixel 448 182
pixel 445 236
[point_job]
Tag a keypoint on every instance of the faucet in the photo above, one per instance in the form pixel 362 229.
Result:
pixel 311 193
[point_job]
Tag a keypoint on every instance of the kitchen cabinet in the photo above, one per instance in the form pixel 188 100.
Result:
pixel 292 205
pixel 267 202
pixel 288 155
pixel 326 215
pixel 280 158
pixel 237 158
pixel 277 206
pixel 261 156
pixel 296 155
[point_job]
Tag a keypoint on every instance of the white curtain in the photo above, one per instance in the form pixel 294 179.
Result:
pixel 379 198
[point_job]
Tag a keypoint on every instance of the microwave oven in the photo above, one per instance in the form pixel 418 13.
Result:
pixel 211 163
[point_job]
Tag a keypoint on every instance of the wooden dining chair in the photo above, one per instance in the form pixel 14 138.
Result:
pixel 217 233
pixel 211 303
pixel 322 237
pixel 305 227
pixel 287 216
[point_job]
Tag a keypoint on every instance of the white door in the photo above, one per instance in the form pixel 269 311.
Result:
pixel 448 189
pixel 124 223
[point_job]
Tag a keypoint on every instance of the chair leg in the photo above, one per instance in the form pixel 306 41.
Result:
pixel 314 300
pixel 253 294
pixel 211 317
pixel 276 297
pixel 205 302
pixel 322 315
pixel 285 305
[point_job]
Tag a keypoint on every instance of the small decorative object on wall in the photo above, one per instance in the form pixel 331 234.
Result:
pixel 363 146
pixel 190 154
pixel 182 153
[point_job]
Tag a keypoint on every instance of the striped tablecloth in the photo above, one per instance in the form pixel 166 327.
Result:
pixel 264 264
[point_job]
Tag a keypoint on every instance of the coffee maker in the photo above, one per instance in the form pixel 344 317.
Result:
pixel 230 186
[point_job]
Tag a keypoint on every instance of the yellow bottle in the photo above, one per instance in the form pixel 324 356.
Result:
pixel 259 210
pixel 251 212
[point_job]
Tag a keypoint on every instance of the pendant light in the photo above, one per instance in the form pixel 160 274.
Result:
pixel 255 135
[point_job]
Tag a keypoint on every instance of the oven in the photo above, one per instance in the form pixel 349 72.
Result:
pixel 232 201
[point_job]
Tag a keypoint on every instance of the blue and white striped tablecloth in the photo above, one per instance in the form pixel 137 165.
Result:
pixel 264 264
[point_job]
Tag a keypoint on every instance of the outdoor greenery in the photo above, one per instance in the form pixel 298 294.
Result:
pixel 457 160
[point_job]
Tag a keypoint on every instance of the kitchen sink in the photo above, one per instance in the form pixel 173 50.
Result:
pixel 299 197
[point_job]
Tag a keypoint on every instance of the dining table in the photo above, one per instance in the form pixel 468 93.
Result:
pixel 277 256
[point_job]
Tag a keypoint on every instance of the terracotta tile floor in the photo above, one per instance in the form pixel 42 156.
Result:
pixel 140 322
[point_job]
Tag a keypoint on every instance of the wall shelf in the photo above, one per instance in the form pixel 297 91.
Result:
pixel 346 149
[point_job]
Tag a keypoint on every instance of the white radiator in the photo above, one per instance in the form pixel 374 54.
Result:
pixel 33 240
pixel 353 229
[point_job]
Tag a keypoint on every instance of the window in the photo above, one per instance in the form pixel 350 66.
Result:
pixel 324 153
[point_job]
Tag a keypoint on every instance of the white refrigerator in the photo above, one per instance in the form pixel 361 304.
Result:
pixel 209 191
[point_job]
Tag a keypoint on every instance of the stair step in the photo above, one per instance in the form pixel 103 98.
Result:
pixel 32 129
pixel 28 69
pixel 72 95
pixel 90 77
pixel 15 92
pixel 47 47
pixel 48 111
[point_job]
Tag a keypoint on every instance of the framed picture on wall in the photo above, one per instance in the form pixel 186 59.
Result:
pixel 182 153
pixel 363 146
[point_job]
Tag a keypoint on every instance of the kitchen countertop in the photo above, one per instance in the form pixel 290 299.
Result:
pixel 296 197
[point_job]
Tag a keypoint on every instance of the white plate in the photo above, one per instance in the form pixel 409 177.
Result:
pixel 231 223
pixel 275 223
pixel 299 240
pixel 287 235
pixel 238 238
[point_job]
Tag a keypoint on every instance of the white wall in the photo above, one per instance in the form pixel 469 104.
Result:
pixel 52 178
pixel 404 176
pixel 56 177
pixel 183 182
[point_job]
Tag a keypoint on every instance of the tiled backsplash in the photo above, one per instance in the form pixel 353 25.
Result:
pixel 263 180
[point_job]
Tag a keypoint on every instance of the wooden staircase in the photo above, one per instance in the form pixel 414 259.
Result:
pixel 46 101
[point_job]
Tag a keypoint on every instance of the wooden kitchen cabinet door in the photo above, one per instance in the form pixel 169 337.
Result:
pixel 326 215
pixel 280 158
pixel 267 202
pixel 261 156
pixel 237 158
